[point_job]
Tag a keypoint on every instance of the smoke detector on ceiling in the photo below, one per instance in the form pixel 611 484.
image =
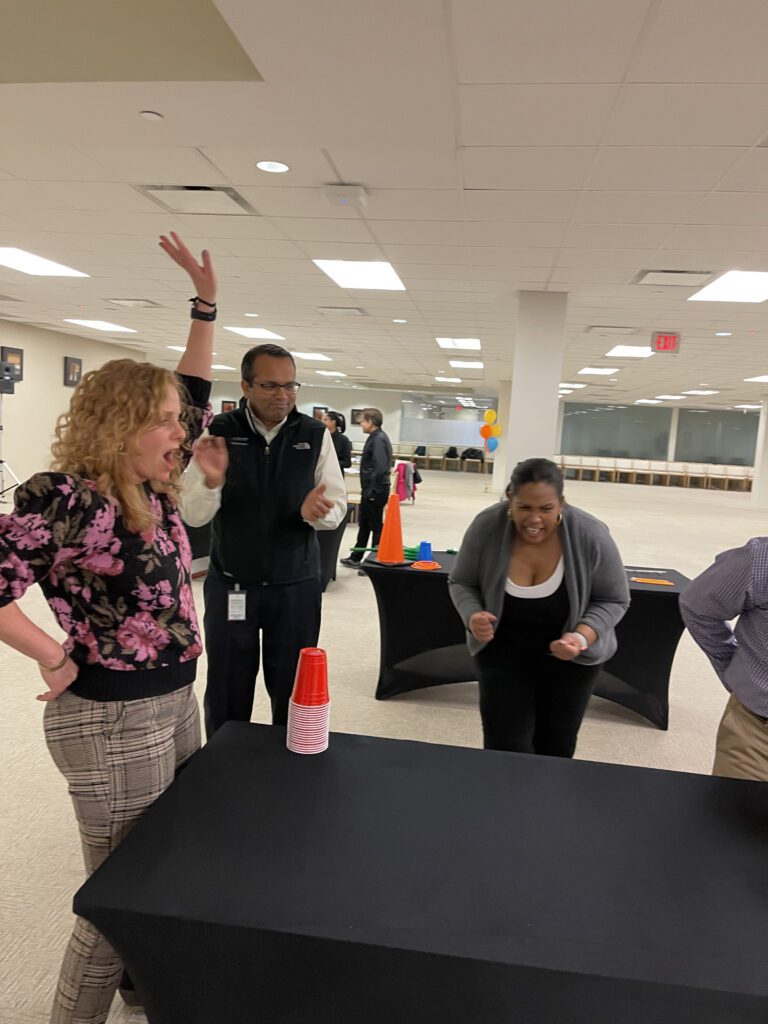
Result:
pixel 346 195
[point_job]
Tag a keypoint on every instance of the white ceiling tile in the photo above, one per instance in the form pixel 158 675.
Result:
pixel 507 256
pixel 341 251
pixel 155 165
pixel 517 235
pixel 689 115
pixel 635 207
pixel 210 226
pixel 671 258
pixel 522 206
pixel 419 232
pixel 629 258
pixel 413 204
pixel 52 163
pixel 544 40
pixel 535 115
pixel 112 196
pixel 749 174
pixel 719 236
pixel 306 229
pixel 398 168
pixel 237 165
pixel 605 236
pixel 294 202
pixel 731 208
pixel 690 168
pixel 553 167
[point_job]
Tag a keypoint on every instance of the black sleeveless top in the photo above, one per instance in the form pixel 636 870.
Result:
pixel 530 624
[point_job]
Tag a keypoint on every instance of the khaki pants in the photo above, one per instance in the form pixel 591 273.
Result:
pixel 118 757
pixel 742 744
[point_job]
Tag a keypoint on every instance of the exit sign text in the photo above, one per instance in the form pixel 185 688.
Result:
pixel 665 341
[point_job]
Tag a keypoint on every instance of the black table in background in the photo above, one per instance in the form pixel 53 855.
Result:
pixel 423 639
pixel 391 882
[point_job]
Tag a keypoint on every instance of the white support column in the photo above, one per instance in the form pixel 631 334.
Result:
pixel 531 426
pixel 760 480
pixel 672 445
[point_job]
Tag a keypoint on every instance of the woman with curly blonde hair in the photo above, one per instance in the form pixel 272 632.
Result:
pixel 102 536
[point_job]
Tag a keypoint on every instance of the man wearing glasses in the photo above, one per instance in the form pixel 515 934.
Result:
pixel 268 477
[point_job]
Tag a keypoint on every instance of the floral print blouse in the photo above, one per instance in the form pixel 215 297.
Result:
pixel 123 599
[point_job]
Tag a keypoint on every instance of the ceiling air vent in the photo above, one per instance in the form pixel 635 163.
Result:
pixel 341 311
pixel 673 278
pixel 198 199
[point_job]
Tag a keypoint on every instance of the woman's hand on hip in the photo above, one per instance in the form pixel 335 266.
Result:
pixel 566 648
pixel 481 626
pixel 58 681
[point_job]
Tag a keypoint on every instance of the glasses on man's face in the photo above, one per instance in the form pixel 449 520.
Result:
pixel 269 387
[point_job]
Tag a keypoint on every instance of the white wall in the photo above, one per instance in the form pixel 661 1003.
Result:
pixel 339 399
pixel 29 415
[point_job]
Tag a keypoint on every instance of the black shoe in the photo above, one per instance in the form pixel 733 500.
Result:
pixel 128 993
pixel 351 563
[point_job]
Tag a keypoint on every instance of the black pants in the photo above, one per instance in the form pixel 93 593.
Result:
pixel 532 703
pixel 371 518
pixel 288 618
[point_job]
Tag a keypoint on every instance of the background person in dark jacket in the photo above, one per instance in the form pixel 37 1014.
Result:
pixel 336 424
pixel 375 467
pixel 282 483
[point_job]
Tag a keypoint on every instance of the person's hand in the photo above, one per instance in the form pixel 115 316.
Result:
pixel 212 458
pixel 315 505
pixel 202 275
pixel 58 681
pixel 480 626
pixel 566 648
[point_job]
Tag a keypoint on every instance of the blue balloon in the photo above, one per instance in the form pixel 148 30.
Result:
pixel 492 443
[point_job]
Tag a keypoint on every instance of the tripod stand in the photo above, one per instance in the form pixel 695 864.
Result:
pixel 5 468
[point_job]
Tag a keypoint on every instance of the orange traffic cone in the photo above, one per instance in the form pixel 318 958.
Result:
pixel 391 543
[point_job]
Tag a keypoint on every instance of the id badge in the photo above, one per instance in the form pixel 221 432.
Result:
pixel 236 605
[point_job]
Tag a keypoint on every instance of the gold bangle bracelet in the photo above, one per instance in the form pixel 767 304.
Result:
pixel 56 667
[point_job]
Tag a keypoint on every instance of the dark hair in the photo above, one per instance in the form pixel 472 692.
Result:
pixel 338 419
pixel 374 415
pixel 536 471
pixel 276 351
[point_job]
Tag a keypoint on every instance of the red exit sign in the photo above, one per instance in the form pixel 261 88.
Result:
pixel 665 341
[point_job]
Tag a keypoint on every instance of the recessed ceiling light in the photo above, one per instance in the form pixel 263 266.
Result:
pixel 461 364
pixel 331 373
pixel 272 166
pixel 221 366
pixel 38 266
pixel 359 367
pixel 630 352
pixel 599 371
pixel 566 385
pixel 747 407
pixel 318 357
pixel 399 321
pixel 101 325
pixel 372 274
pixel 448 380
pixel 723 334
pixel 470 344
pixel 255 332
pixel 250 314
pixel 735 286
pixel 151 115
pixel 756 380
pixel 647 401
pixel 710 392
pixel 669 398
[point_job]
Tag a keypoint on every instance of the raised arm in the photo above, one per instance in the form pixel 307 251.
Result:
pixel 197 357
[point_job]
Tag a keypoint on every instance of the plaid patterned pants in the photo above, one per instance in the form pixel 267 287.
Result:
pixel 117 757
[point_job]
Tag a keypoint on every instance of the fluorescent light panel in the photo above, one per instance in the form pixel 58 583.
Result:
pixel 101 325
pixel 747 407
pixel 735 286
pixel 38 266
pixel 630 352
pixel 669 398
pixel 331 373
pixel 706 392
pixel 598 371
pixel 255 332
pixel 461 364
pixel 750 380
pixel 221 366
pixel 572 385
pixel 375 275
pixel 648 401
pixel 470 344
pixel 448 380
pixel 317 357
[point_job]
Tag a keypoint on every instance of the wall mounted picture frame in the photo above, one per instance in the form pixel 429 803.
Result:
pixel 73 371
pixel 15 358
pixel 356 416
pixel 318 411
pixel 228 406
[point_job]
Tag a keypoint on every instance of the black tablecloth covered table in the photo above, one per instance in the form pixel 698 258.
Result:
pixel 423 638
pixel 390 882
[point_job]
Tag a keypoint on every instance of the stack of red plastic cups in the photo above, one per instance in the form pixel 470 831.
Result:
pixel 309 707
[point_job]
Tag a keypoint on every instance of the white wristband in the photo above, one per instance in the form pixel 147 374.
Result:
pixel 583 642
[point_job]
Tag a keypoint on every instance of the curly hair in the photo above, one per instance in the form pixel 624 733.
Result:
pixel 110 408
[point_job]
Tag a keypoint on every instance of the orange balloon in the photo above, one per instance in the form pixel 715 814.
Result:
pixel 496 430
pixel 485 431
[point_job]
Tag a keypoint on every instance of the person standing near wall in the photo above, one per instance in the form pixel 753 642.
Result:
pixel 336 425
pixel 375 467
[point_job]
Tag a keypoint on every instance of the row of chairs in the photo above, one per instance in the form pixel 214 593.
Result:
pixel 656 471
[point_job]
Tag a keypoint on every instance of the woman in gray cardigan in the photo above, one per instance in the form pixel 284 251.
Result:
pixel 540 587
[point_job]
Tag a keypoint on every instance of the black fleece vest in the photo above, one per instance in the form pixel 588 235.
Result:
pixel 258 535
